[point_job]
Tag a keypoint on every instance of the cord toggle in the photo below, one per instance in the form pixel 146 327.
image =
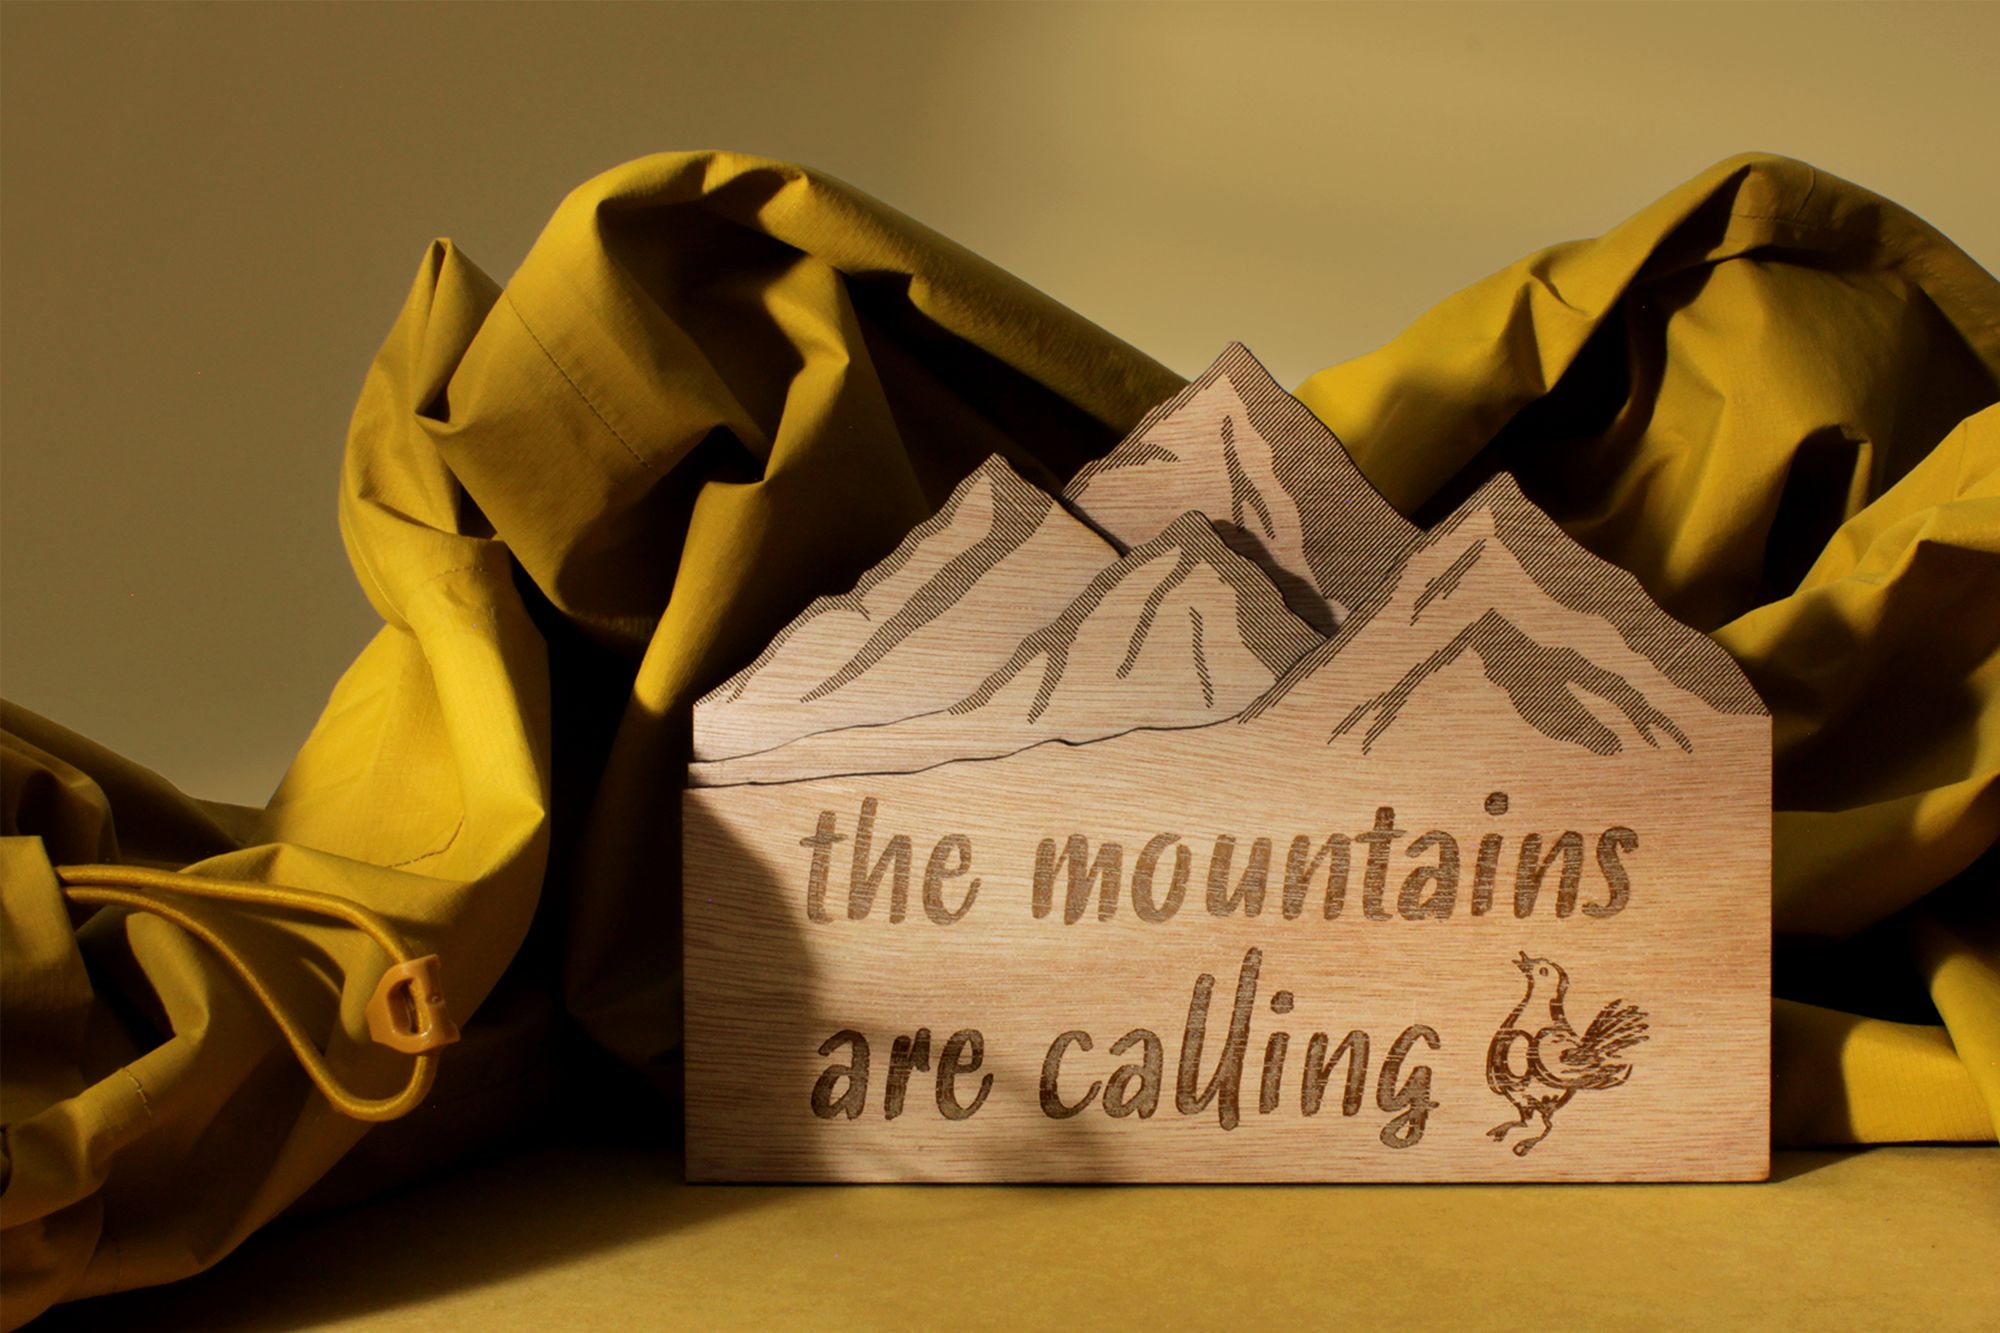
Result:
pixel 408 1011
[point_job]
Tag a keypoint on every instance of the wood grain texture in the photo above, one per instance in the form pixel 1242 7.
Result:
pixel 1179 631
pixel 921 629
pixel 1132 874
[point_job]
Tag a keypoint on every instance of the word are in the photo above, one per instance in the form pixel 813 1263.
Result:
pixel 963 1054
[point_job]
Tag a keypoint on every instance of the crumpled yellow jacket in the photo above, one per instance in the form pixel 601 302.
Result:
pixel 720 386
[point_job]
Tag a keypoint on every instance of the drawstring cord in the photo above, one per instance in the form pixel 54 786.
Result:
pixel 407 1012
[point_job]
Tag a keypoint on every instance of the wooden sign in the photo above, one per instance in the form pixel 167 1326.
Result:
pixel 1211 822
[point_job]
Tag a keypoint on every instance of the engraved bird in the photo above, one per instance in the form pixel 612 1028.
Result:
pixel 1538 1062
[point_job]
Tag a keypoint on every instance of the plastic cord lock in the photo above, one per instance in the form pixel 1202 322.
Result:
pixel 408 1011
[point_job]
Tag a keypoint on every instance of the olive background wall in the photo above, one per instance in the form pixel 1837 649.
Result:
pixel 209 215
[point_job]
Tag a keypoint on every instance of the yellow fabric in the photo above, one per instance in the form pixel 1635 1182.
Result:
pixel 163 1120
pixel 158 892
pixel 720 386
pixel 1769 396
pixel 1841 1078
pixel 716 388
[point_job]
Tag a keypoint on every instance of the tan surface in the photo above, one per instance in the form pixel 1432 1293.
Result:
pixel 575 1238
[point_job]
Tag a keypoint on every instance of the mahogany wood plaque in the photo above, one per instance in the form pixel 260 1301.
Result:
pixel 1211 822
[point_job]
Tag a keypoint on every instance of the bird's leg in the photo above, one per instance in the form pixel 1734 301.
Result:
pixel 1499 1132
pixel 1521 1148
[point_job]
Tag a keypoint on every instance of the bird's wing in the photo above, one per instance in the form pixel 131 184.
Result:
pixel 1502 1055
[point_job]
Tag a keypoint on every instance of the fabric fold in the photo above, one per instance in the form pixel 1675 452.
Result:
pixel 1770 397
pixel 179 1122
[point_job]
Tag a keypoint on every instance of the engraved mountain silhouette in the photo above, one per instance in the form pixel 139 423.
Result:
pixel 1180 631
pixel 1005 623
pixel 920 630
pixel 1235 446
pixel 1052 759
pixel 1499 611
pixel 1002 559
pixel 1499 652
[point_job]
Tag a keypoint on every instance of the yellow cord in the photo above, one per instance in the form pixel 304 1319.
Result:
pixel 130 886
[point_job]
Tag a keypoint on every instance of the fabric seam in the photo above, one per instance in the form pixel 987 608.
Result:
pixel 575 388
pixel 439 850
pixel 145 1102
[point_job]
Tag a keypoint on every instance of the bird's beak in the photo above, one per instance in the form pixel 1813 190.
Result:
pixel 1525 963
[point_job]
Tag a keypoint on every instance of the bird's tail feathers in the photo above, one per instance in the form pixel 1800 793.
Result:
pixel 1618 1027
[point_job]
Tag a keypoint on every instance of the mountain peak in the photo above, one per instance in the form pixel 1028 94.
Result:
pixel 1542 681
pixel 1236 446
pixel 1589 585
pixel 1150 572
pixel 1180 631
pixel 1564 644
pixel 997 560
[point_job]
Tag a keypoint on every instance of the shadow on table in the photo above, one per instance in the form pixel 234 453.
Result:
pixel 537 1209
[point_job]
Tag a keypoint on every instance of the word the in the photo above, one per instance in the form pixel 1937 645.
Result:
pixel 951 858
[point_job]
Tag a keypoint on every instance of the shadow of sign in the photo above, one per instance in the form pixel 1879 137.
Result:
pixel 809 1059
